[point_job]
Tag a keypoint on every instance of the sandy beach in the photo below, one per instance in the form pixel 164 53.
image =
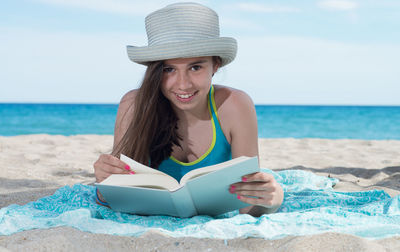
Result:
pixel 34 166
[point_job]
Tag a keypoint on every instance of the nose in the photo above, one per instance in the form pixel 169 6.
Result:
pixel 183 80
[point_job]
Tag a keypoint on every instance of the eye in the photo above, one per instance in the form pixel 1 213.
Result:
pixel 168 69
pixel 195 67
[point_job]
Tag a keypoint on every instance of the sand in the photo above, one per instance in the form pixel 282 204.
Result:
pixel 33 166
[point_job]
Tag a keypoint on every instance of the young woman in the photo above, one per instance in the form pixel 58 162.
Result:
pixel 177 120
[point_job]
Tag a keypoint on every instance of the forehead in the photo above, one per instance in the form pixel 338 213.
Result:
pixel 187 61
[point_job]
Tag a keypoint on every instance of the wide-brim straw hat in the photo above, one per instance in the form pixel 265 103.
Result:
pixel 183 30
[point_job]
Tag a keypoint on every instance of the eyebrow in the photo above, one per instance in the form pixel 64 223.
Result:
pixel 190 64
pixel 197 62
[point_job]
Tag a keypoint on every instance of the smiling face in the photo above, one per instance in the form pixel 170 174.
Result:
pixel 186 82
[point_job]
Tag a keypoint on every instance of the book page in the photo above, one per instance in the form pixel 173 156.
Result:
pixel 154 181
pixel 139 168
pixel 205 170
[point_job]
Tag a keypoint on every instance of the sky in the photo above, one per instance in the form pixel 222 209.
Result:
pixel 309 52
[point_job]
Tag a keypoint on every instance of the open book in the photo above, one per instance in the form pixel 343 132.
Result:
pixel 200 191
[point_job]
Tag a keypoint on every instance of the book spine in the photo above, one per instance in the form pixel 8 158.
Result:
pixel 183 202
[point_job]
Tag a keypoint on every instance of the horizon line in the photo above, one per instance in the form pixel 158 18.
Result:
pixel 256 104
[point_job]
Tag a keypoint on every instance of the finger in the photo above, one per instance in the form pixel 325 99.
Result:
pixel 258 176
pixel 254 186
pixel 261 200
pixel 114 161
pixel 251 193
pixel 106 171
pixel 253 201
pixel 115 170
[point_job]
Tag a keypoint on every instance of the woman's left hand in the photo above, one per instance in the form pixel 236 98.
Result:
pixel 259 189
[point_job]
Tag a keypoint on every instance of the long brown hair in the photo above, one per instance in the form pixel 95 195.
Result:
pixel 154 127
pixel 153 130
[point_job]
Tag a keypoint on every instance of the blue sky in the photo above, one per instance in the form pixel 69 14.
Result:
pixel 329 52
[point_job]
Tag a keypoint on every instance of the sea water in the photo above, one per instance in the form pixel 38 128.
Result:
pixel 331 122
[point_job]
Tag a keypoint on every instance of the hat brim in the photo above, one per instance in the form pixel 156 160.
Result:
pixel 223 47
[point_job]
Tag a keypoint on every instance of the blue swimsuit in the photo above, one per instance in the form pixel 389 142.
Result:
pixel 219 151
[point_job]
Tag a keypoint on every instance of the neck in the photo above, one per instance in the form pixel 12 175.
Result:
pixel 189 117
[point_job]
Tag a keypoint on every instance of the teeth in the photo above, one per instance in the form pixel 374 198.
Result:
pixel 184 96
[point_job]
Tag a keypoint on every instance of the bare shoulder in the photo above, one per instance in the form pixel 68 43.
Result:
pixel 229 99
pixel 124 115
pixel 127 102
pixel 235 106
pixel 129 97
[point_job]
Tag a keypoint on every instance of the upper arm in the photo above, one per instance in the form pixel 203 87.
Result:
pixel 124 116
pixel 238 118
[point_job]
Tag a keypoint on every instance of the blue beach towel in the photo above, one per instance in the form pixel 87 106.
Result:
pixel 310 207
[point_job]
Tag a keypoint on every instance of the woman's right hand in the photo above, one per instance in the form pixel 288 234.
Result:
pixel 107 164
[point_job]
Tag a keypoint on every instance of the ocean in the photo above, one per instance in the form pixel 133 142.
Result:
pixel 330 122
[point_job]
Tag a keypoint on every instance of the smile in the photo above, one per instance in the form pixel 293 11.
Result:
pixel 185 97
